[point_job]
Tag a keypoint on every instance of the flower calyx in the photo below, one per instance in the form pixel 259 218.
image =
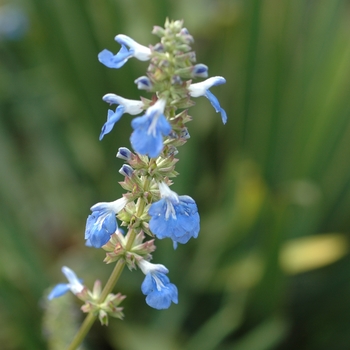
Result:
pixel 116 249
pixel 109 307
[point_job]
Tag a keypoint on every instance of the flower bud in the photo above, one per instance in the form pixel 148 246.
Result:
pixel 126 170
pixel 158 48
pixel 185 134
pixel 176 80
pixel 124 153
pixel 144 83
pixel 200 71
pixel 159 31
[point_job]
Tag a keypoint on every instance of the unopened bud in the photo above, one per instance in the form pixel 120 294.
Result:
pixel 124 153
pixel 144 83
pixel 126 170
pixel 200 71
pixel 159 31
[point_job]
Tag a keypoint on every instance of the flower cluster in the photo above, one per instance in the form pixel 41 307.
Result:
pixel 149 208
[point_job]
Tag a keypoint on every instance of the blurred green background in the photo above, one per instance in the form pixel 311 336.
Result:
pixel 270 268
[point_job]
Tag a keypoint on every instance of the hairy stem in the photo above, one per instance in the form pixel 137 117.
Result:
pixel 91 317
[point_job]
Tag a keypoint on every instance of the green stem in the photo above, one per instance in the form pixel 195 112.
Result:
pixel 118 269
pixel 90 318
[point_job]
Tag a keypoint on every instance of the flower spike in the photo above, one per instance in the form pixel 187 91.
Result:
pixel 156 285
pixel 74 284
pixel 102 223
pixel 149 207
pixel 174 216
pixel 202 89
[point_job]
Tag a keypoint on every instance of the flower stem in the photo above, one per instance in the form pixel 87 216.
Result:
pixel 90 318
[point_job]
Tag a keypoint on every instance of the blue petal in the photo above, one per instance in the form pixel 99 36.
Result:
pixel 99 237
pixel 215 103
pixel 147 284
pixel 180 229
pixel 110 223
pixel 89 223
pixel 98 233
pixel 145 143
pixel 161 297
pixel 107 58
pixel 159 300
pixel 157 208
pixel 163 125
pixel 112 118
pixel 58 290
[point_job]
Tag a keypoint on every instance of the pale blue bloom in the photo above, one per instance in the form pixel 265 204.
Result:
pixel 74 284
pixel 102 223
pixel 174 216
pixel 136 50
pixel 202 89
pixel 132 107
pixel 156 285
pixel 147 138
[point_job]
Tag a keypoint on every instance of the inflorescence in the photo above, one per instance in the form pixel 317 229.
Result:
pixel 149 207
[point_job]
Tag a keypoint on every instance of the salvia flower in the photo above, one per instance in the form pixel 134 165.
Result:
pixel 74 284
pixel 136 50
pixel 202 89
pixel 132 107
pixel 156 285
pixel 174 216
pixel 147 137
pixel 102 223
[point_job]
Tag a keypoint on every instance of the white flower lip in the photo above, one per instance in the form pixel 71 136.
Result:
pixel 115 206
pixel 147 267
pixel 140 52
pixel 132 107
pixel 199 89
pixel 166 192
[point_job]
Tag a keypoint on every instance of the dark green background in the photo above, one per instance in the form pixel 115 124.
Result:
pixel 279 170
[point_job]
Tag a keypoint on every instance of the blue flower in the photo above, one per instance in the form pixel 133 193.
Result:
pixel 147 138
pixel 174 216
pixel 156 285
pixel 202 89
pixel 74 284
pixel 136 50
pixel 102 223
pixel 132 107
